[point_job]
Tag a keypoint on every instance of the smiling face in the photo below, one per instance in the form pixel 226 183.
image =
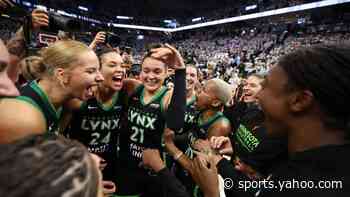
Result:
pixel 153 74
pixel 273 99
pixel 251 88
pixel 112 71
pixel 84 76
pixel 191 78
pixel 206 96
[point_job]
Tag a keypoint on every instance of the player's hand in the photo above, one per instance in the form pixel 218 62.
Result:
pixel 151 159
pixel 202 145
pixel 170 55
pixel 222 144
pixel 205 175
pixel 168 136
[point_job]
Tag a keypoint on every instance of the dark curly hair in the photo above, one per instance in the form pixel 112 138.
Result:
pixel 41 166
pixel 325 71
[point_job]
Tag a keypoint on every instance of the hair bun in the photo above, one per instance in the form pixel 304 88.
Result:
pixel 32 67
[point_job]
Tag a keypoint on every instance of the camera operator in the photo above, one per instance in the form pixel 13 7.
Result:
pixel 17 45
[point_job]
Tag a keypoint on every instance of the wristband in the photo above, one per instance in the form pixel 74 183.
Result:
pixel 177 156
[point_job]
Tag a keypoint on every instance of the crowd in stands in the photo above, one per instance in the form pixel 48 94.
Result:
pixel 249 50
pixel 228 52
pixel 193 113
pixel 8 28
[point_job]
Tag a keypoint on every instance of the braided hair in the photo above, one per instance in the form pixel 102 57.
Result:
pixel 325 71
pixel 41 166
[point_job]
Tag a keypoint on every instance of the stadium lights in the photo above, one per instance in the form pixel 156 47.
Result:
pixel 251 7
pixel 167 21
pixel 125 17
pixel 140 37
pixel 61 12
pixel 297 8
pixel 83 8
pixel 197 19
pixel 140 27
pixel 5 15
pixel 64 13
pixel 26 3
pixel 41 7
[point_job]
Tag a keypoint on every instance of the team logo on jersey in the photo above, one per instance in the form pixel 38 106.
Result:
pixel 93 125
pixel 117 107
pixel 141 119
pixel 154 105
pixel 246 138
pixel 189 118
pixel 52 128
pixel 135 98
pixel 91 107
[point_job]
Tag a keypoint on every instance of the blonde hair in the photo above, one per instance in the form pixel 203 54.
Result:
pixel 31 67
pixel 62 54
pixel 223 91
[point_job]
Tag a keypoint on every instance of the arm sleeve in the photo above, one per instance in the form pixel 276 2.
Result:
pixel 182 140
pixel 234 113
pixel 172 185
pixel 175 115
pixel 186 138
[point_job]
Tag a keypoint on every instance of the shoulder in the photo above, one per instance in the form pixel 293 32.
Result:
pixel 131 85
pixel 223 123
pixel 18 119
pixel 221 127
